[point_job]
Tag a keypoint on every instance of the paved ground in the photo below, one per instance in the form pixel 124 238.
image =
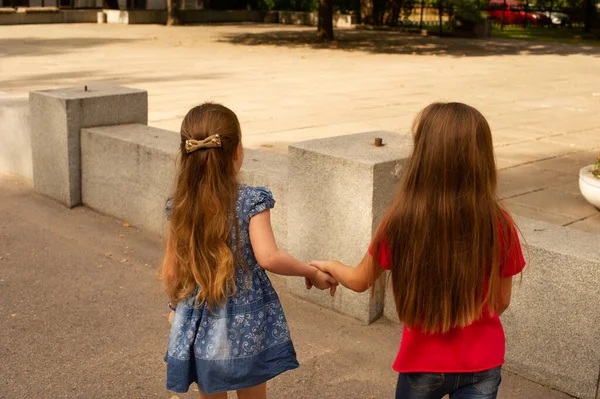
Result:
pixel 542 100
pixel 83 316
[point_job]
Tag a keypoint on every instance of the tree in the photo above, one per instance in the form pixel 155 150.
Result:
pixel 392 15
pixel 589 14
pixel 173 12
pixel 325 24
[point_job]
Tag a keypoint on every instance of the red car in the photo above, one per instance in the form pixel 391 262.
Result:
pixel 514 14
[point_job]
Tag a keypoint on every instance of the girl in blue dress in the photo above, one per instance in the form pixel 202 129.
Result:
pixel 228 329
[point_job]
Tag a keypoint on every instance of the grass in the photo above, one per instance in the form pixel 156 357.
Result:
pixel 548 34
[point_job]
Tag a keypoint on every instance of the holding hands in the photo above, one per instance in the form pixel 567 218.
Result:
pixel 321 278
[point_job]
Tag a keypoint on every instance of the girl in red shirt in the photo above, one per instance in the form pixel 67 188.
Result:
pixel 452 251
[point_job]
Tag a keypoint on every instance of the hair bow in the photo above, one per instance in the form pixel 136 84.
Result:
pixel 213 141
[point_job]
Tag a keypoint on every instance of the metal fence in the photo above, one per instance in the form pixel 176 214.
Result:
pixel 500 12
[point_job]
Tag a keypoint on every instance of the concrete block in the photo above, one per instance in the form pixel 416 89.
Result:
pixel 15 136
pixel 338 191
pixel 57 117
pixel 342 21
pixel 79 16
pixel 270 170
pixel 101 17
pixel 218 16
pixel 553 323
pixel 311 19
pixel 298 18
pixel 61 17
pixel 134 17
pixel 147 154
pixel 271 17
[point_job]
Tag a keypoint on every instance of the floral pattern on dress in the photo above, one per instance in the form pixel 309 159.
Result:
pixel 248 328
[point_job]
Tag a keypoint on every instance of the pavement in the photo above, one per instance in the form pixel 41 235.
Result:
pixel 541 99
pixel 83 316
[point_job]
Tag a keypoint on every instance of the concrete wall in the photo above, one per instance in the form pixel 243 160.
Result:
pixel 233 16
pixel 134 17
pixel 15 136
pixel 149 156
pixel 312 19
pixel 62 17
pixel 156 14
pixel 552 326
pixel 139 195
pixel 338 190
pixel 553 323
pixel 271 171
pixel 159 16
pixel 57 117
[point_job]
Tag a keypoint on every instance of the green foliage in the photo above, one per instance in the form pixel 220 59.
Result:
pixel 467 13
pixel 267 4
pixel 596 168
pixel 347 6
pixel 407 8
pixel 293 5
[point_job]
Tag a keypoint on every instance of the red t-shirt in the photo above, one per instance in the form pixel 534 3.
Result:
pixel 477 347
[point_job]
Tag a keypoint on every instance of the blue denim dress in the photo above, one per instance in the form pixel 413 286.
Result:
pixel 242 344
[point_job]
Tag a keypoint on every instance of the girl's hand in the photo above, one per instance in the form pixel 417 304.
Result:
pixel 308 283
pixel 320 264
pixel 171 316
pixel 323 281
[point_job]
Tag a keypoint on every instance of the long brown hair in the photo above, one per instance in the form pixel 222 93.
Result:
pixel 199 247
pixel 445 226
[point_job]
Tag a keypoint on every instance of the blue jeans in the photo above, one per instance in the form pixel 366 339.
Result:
pixel 480 385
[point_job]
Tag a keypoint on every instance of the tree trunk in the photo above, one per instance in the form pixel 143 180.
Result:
pixel 441 13
pixel 379 7
pixel 366 12
pixel 325 26
pixel 394 8
pixel 173 12
pixel 588 15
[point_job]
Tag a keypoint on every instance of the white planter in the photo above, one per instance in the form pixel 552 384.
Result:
pixel 589 186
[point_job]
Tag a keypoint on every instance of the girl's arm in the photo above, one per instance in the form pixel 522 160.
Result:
pixel 271 258
pixel 505 294
pixel 358 278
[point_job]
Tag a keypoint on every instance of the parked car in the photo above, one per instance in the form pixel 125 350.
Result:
pixel 514 13
pixel 557 18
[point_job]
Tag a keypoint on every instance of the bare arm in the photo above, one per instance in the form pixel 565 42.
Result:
pixel 271 258
pixel 505 294
pixel 358 278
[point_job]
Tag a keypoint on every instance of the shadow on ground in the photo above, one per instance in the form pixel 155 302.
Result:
pixel 402 42
pixel 38 47
pixel 101 77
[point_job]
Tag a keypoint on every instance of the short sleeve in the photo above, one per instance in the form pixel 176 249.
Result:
pixel 385 253
pixel 512 258
pixel 169 208
pixel 258 199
